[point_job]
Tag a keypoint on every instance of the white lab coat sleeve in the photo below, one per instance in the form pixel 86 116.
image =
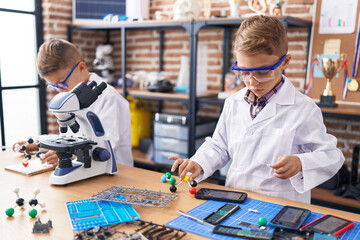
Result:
pixel 320 158
pixel 115 117
pixel 213 153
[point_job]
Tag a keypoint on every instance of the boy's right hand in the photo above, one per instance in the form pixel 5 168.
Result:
pixel 29 148
pixel 185 166
pixel 50 158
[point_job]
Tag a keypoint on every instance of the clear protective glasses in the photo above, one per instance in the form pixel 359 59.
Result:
pixel 261 74
pixel 62 85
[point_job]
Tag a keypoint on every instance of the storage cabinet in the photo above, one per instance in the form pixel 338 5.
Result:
pixel 192 28
pixel 171 136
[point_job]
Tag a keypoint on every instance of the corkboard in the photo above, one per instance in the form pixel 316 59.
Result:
pixel 347 46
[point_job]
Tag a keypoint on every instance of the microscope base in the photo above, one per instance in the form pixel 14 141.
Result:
pixel 78 172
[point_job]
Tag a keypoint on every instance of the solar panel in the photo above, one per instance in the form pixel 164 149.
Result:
pixel 89 11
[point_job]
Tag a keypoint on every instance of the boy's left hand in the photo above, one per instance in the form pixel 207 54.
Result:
pixel 287 166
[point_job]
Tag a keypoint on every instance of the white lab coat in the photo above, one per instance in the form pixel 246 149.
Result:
pixel 290 124
pixel 114 113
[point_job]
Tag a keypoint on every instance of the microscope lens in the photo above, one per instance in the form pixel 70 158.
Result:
pixel 63 129
pixel 75 127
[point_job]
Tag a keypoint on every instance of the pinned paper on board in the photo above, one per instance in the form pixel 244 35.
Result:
pixel 332 46
pixel 337 16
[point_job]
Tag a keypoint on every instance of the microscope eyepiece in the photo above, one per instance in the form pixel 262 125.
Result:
pixel 92 84
pixel 100 88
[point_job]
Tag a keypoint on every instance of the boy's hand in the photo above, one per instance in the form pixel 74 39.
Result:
pixel 29 148
pixel 50 158
pixel 185 166
pixel 287 166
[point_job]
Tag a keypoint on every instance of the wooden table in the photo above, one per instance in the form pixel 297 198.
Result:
pixel 20 225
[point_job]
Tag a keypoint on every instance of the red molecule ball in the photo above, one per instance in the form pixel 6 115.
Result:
pixel 25 164
pixel 192 190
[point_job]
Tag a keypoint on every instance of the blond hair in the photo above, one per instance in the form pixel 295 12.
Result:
pixel 261 34
pixel 57 54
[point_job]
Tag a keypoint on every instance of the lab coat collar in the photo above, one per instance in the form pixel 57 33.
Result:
pixel 285 96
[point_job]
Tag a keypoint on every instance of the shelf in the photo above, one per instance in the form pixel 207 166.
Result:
pixel 138 25
pixel 164 96
pixel 234 22
pixel 159 24
pixel 141 157
pixel 343 111
pixel 211 100
pixel 326 197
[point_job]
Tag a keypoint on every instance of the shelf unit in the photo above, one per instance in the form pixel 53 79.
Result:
pixel 192 28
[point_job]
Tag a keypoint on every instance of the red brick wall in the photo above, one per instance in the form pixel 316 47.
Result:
pixel 142 53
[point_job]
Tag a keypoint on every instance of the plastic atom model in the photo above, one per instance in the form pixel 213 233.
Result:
pixel 167 178
pixel 21 203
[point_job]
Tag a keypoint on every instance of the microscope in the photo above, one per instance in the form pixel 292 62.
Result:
pixel 81 134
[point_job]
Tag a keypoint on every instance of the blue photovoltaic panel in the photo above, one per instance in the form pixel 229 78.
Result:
pixel 266 209
pixel 96 9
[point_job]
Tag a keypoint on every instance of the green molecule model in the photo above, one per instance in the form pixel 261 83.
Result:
pixel 172 181
pixel 9 212
pixel 262 221
pixel 32 213
pixel 168 175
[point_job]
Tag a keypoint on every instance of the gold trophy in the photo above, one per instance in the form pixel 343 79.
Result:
pixel 330 67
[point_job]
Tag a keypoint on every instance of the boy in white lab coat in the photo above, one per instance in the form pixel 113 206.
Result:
pixel 273 134
pixel 61 64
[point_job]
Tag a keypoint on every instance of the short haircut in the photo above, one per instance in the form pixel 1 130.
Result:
pixel 57 54
pixel 261 34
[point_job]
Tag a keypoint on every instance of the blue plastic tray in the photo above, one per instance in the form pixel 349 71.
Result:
pixel 88 213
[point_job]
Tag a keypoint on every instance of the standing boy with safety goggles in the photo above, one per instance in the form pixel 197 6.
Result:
pixel 273 134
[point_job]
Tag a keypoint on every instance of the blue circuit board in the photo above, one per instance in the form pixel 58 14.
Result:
pixel 265 209
pixel 88 213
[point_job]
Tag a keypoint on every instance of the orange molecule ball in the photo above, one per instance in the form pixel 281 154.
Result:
pixel 192 190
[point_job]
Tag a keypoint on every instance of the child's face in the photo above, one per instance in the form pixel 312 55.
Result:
pixel 262 60
pixel 65 79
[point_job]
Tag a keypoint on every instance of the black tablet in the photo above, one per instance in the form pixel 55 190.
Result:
pixel 290 217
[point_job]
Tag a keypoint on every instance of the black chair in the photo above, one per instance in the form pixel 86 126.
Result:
pixel 353 190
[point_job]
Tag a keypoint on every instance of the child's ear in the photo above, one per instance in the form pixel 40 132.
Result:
pixel 82 66
pixel 286 61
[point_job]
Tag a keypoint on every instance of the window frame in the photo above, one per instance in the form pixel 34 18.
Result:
pixel 40 85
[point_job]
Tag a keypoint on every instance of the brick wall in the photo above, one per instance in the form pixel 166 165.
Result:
pixel 142 54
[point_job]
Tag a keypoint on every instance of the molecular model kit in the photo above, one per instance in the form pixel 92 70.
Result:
pixel 24 149
pixel 21 203
pixel 167 178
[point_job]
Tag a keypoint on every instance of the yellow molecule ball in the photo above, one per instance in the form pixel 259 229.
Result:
pixel 186 178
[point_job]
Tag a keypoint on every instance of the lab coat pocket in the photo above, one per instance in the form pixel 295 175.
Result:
pixel 264 146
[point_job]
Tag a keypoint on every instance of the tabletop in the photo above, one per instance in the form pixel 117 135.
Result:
pixel 20 225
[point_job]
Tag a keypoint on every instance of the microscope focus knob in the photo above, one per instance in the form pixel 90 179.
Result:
pixel 101 154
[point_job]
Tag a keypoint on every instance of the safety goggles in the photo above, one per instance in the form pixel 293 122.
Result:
pixel 62 85
pixel 261 74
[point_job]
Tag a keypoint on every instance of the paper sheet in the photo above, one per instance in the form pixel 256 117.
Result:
pixel 332 46
pixel 337 16
pixel 35 167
